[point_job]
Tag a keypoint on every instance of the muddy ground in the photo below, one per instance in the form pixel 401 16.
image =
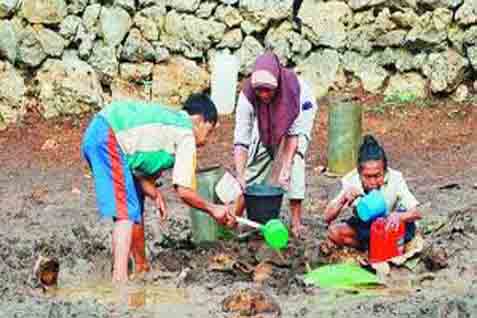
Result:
pixel 48 207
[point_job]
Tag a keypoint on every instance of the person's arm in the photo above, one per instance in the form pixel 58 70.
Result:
pixel 150 190
pixel 244 120
pixel 219 212
pixel 281 170
pixel 408 201
pixel 240 160
pixel 184 180
pixel 344 200
pixel 410 216
pixel 301 126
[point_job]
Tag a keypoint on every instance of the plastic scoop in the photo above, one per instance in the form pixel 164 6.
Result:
pixel 274 231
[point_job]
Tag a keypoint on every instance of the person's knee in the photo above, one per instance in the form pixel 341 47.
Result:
pixel 335 235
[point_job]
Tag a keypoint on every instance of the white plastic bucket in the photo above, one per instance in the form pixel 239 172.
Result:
pixel 225 67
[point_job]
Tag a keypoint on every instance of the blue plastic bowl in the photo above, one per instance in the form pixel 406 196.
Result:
pixel 371 206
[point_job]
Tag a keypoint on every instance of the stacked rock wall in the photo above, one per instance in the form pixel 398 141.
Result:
pixel 74 55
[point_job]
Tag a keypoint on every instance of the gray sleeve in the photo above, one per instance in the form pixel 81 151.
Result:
pixel 244 120
pixel 405 198
pixel 303 124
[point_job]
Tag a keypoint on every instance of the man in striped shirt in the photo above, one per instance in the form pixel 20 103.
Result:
pixel 127 146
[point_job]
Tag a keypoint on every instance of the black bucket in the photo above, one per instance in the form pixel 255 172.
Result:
pixel 263 202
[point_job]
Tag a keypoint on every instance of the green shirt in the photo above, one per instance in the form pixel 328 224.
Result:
pixel 153 138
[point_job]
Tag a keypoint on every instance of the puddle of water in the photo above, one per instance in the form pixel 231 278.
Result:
pixel 107 293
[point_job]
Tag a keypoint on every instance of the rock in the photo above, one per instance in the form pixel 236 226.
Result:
pixel 384 22
pixel 191 35
pixel 446 70
pixel 249 27
pixel 232 39
pixel 122 90
pixel 156 13
pixel 69 26
pixel 320 70
pixel 248 53
pixel 52 43
pixel 161 53
pixel 363 17
pixel 472 56
pixel 406 61
pixel 435 4
pixel 228 15
pixel 44 11
pixel 184 5
pixel 91 18
pixel 30 51
pixel 8 41
pixel 409 84
pixel 176 79
pixel 68 86
pixel 431 28
pixel 103 60
pixel 262 12
pixel 361 39
pixel 461 94
pixel 456 36
pixel 115 24
pixel 367 70
pixel 137 49
pixel 148 27
pixel 325 22
pixel 46 270
pixel 250 302
pixel 470 35
pixel 7 7
pixel 49 145
pixel 363 4
pixel 405 19
pixel 279 40
pixel 128 5
pixel 393 38
pixel 135 72
pixel 205 9
pixel 467 13
pixel 435 258
pixel 12 95
pixel 86 42
pixel 77 7
pixel 299 46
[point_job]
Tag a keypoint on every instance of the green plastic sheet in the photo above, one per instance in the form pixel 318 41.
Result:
pixel 346 275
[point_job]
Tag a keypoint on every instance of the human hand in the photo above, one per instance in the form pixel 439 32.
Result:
pixel 393 221
pixel 161 206
pixel 349 197
pixel 223 215
pixel 284 178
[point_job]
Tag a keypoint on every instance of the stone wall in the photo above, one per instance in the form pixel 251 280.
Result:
pixel 75 55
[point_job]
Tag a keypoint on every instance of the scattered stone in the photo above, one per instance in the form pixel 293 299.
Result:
pixel 436 258
pixel 46 270
pixel 250 302
pixel 49 144
pixel 461 94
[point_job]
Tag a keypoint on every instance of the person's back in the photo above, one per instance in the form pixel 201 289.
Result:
pixel 148 133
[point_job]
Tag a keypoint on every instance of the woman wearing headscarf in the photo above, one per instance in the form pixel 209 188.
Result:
pixel 273 124
pixel 372 173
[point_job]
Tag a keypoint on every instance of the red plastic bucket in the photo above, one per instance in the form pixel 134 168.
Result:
pixel 383 244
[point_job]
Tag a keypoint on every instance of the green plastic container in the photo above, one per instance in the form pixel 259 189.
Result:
pixel 344 137
pixel 204 228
